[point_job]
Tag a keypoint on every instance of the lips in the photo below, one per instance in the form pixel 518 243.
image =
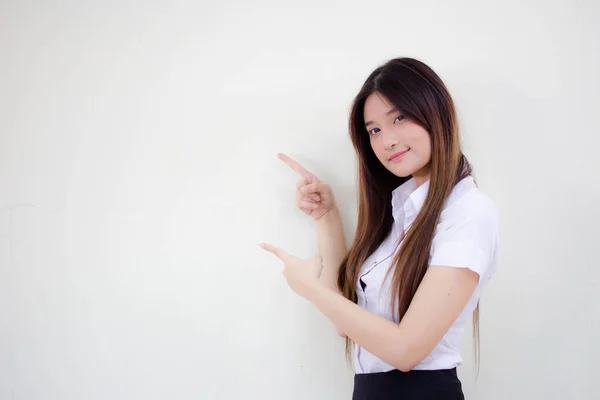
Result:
pixel 396 155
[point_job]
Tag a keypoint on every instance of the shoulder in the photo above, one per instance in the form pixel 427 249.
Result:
pixel 467 233
pixel 467 204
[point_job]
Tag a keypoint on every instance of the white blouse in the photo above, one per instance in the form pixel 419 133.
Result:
pixel 466 237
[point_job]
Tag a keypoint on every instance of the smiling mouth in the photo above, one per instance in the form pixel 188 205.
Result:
pixel 398 155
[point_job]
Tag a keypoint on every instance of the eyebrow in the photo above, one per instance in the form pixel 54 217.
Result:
pixel 393 110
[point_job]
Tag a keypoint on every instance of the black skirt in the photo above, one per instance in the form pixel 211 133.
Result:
pixel 412 385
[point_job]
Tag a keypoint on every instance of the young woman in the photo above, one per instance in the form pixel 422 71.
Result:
pixel 425 246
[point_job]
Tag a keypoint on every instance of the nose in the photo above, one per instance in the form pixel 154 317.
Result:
pixel 390 140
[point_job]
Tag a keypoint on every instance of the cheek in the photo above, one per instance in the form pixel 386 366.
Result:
pixel 421 143
pixel 377 149
pixel 425 148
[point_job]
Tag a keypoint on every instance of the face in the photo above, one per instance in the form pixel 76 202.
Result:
pixel 400 144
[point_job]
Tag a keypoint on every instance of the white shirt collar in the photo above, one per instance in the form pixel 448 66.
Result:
pixel 410 197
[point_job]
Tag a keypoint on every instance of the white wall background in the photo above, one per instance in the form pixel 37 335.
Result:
pixel 138 172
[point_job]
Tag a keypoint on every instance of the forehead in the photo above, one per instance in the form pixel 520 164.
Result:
pixel 376 105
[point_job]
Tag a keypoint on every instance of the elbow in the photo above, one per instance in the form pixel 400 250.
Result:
pixel 405 361
pixel 406 367
pixel 407 353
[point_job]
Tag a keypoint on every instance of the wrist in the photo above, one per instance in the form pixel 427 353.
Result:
pixel 330 216
pixel 312 289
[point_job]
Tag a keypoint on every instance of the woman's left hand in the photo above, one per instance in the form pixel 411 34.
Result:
pixel 301 275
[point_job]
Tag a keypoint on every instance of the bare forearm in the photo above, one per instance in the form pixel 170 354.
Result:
pixel 332 246
pixel 378 335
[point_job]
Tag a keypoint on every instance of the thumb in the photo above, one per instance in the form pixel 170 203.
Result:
pixel 315 187
pixel 313 179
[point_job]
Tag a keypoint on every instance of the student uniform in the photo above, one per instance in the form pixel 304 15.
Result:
pixel 466 237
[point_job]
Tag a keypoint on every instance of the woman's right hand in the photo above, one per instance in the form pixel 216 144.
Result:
pixel 313 197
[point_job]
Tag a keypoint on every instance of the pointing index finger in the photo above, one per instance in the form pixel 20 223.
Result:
pixel 295 165
pixel 277 251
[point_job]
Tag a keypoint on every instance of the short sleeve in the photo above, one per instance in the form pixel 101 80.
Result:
pixel 467 237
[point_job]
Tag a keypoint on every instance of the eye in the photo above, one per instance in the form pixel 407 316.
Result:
pixel 398 119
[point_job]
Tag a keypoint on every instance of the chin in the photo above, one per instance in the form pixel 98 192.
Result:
pixel 401 172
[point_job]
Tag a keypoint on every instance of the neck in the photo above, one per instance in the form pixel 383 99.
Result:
pixel 421 177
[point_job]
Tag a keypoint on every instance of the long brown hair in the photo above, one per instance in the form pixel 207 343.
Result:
pixel 421 95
